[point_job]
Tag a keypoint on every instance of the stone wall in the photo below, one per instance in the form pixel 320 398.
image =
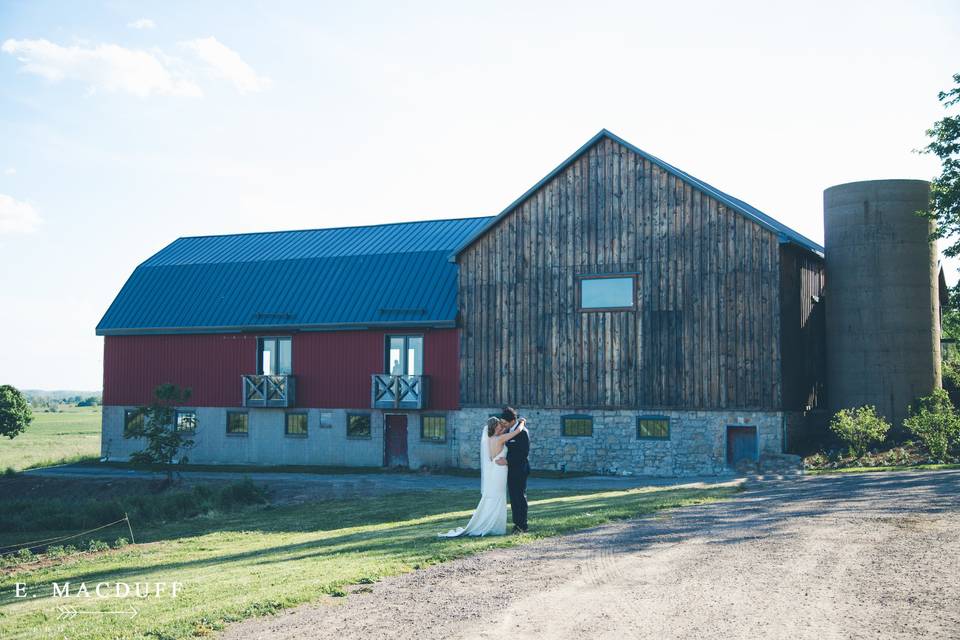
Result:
pixel 697 443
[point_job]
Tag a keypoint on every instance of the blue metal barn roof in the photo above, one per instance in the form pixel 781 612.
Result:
pixel 785 233
pixel 392 274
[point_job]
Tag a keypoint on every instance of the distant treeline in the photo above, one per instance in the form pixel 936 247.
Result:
pixel 51 400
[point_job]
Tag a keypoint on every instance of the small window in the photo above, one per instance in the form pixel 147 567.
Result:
pixel 132 419
pixel 606 293
pixel 326 419
pixel 274 356
pixel 653 428
pixel 186 421
pixel 575 426
pixel 433 428
pixel 296 424
pixel 358 425
pixel 238 423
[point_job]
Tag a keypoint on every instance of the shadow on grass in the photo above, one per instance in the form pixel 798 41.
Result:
pixel 402 527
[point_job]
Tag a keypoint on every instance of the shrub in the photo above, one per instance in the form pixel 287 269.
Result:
pixel 24 555
pixel 120 542
pixel 10 472
pixel 935 423
pixel 56 551
pixel 98 545
pixel 858 428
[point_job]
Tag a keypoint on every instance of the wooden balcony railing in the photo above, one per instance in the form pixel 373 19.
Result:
pixel 269 391
pixel 399 392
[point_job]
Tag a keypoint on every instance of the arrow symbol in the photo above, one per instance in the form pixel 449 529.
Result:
pixel 68 612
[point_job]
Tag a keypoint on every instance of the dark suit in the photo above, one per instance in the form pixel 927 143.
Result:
pixel 518 468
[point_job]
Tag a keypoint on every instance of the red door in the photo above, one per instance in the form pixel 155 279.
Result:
pixel 395 442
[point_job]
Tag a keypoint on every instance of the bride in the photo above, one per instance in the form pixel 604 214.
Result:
pixel 490 517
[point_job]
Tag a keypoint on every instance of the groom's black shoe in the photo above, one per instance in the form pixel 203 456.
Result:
pixel 517 529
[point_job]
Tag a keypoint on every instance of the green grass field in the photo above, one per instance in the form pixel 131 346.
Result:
pixel 262 559
pixel 68 436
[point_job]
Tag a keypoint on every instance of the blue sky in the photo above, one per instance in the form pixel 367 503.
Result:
pixel 125 125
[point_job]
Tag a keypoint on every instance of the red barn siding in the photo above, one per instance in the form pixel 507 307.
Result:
pixel 332 369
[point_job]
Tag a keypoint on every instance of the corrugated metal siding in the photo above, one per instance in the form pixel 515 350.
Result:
pixel 333 369
pixel 397 273
pixel 210 365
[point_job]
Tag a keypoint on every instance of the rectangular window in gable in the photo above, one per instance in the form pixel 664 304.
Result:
pixel 606 292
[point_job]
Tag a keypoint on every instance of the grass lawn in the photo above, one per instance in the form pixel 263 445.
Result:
pixel 915 467
pixel 71 435
pixel 262 559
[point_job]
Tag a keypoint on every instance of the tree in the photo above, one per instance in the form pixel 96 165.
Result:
pixel 15 413
pixel 157 423
pixel 859 428
pixel 945 188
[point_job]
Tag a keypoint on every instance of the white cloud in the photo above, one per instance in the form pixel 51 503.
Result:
pixel 142 23
pixel 10 171
pixel 113 68
pixel 104 66
pixel 223 62
pixel 17 217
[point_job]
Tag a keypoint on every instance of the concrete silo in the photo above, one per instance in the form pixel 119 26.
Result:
pixel 882 311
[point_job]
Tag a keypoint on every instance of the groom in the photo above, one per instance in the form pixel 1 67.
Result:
pixel 518 468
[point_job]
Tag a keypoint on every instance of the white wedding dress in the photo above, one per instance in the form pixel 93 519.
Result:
pixel 490 517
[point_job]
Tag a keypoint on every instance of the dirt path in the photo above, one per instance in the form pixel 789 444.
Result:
pixel 864 556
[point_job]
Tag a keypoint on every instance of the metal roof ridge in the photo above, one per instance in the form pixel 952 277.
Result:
pixel 313 230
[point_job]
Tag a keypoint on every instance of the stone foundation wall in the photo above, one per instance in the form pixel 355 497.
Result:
pixel 697 443
pixel 267 444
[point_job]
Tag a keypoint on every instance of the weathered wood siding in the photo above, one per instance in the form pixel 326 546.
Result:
pixel 706 331
pixel 803 329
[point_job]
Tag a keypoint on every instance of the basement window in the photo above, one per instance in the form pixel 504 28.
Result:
pixel 577 426
pixel 296 425
pixel 358 425
pixel 238 423
pixel 186 421
pixel 601 293
pixel 653 428
pixel 433 428
pixel 132 420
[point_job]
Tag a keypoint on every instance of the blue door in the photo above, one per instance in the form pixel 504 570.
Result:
pixel 741 445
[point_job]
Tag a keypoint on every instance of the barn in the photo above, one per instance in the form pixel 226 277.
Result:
pixel 644 321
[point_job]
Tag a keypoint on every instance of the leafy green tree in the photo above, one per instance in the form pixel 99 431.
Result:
pixel 859 427
pixel 156 423
pixel 951 380
pixel 935 422
pixel 945 188
pixel 15 413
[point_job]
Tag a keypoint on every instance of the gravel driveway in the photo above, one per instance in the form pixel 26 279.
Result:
pixel 839 556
